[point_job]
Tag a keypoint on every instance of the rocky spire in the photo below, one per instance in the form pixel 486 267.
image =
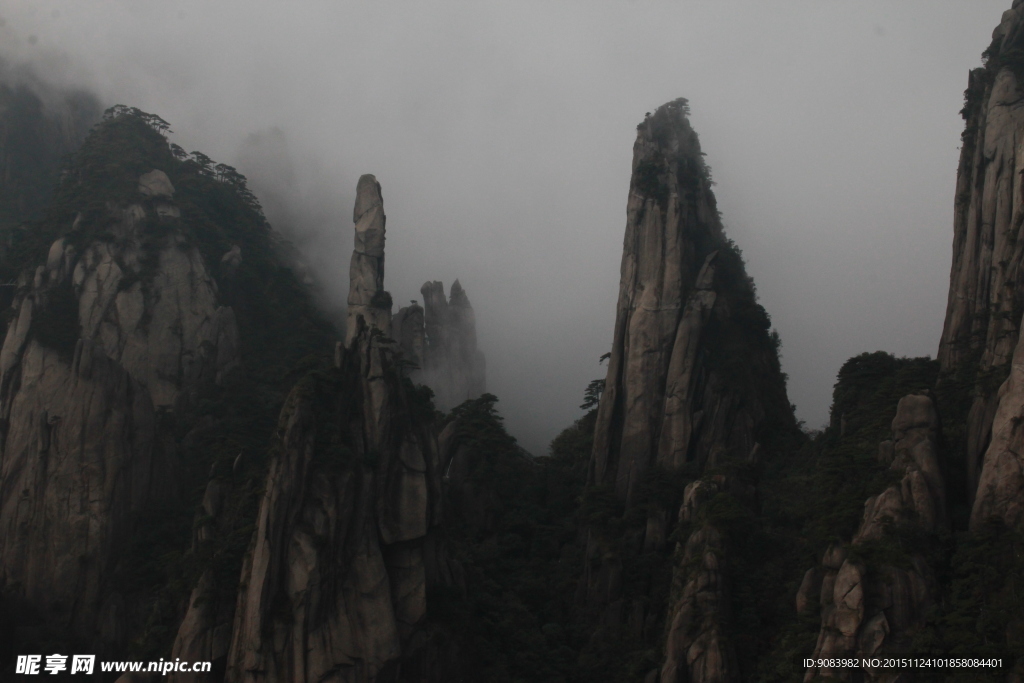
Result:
pixel 673 394
pixel 408 330
pixel 346 544
pixel 693 382
pixel 453 366
pixel 366 295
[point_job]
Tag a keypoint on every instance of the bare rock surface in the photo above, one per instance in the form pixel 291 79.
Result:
pixel 366 296
pixel 697 645
pixel 675 397
pixel 986 287
pixel 156 184
pixel 864 610
pixel 1000 493
pixel 334 586
pixel 81 450
pixel 981 337
pixel 335 583
pixel 452 364
pixel 663 405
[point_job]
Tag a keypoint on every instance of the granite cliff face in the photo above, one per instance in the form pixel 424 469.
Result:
pixel 335 582
pixel 986 294
pixel 1000 492
pixel 693 387
pixel 667 401
pixel 82 450
pixel 123 389
pixel 164 378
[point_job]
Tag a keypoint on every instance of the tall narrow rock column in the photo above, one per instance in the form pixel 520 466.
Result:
pixel 366 295
pixel 693 384
pixel 673 394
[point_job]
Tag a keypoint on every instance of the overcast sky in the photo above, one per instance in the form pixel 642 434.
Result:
pixel 502 135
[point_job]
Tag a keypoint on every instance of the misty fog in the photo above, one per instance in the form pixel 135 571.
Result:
pixel 502 136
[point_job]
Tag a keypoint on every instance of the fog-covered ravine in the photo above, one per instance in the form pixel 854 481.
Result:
pixel 352 396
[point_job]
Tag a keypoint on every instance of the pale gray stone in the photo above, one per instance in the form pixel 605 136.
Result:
pixel 156 184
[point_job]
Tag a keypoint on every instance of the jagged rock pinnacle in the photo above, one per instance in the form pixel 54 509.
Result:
pixel 366 295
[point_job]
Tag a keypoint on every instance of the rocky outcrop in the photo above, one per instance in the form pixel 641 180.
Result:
pixel 407 327
pixel 366 296
pixel 697 645
pixel 438 343
pixel 452 365
pixel 106 336
pixel 665 403
pixel 693 381
pixel 334 586
pixel 920 497
pixel 869 606
pixel 1000 493
pixel 986 290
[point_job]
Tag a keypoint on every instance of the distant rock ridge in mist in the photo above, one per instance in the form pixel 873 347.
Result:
pixel 440 338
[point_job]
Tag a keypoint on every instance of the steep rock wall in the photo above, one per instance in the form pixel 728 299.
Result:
pixel 664 403
pixel 870 607
pixel 986 291
pixel 693 386
pixel 366 295
pixel 82 450
pixel 335 582
pixel 1000 493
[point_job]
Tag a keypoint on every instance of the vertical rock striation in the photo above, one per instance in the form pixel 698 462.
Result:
pixel 669 399
pixel 108 335
pixel 334 586
pixel 980 339
pixel 1000 492
pixel 986 288
pixel 693 386
pixel 366 296
pixel 452 364
pixel 870 609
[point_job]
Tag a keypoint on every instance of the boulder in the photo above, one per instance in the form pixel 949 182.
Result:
pixel 155 184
